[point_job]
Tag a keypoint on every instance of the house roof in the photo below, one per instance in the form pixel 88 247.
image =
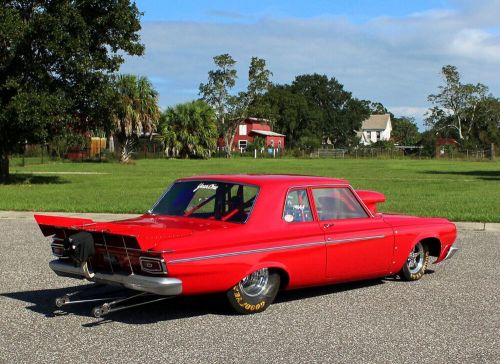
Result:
pixel 446 141
pixel 375 122
pixel 267 133
pixel 260 120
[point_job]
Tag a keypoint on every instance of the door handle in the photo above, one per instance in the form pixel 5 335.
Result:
pixel 327 226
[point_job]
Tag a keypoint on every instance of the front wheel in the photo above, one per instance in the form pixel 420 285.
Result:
pixel 255 292
pixel 416 263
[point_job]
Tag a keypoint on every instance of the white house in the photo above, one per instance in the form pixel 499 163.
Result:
pixel 375 128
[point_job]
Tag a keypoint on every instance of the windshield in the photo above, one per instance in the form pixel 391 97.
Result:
pixel 208 200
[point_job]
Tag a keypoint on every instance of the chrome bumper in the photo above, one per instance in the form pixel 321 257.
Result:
pixel 164 286
pixel 451 252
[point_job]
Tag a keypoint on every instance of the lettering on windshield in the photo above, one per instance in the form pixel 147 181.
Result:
pixel 203 186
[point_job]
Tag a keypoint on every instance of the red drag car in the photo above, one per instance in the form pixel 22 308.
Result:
pixel 249 236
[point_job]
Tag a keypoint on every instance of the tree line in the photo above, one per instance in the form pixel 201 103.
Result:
pixel 59 63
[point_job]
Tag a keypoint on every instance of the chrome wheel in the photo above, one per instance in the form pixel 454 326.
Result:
pixel 255 283
pixel 416 259
pixel 255 292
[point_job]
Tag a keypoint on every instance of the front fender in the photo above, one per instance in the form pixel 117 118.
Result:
pixel 406 247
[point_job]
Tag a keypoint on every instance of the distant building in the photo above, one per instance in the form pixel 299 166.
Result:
pixel 251 128
pixel 375 128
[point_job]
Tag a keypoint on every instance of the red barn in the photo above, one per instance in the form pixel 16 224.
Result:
pixel 251 128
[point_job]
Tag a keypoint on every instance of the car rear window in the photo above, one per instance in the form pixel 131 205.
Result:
pixel 210 200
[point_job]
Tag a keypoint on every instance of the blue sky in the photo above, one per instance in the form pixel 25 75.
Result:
pixel 249 11
pixel 388 51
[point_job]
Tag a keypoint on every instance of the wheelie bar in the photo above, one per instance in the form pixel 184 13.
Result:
pixel 113 306
pixel 114 303
pixel 80 296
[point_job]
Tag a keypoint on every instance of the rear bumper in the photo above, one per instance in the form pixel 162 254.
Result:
pixel 165 286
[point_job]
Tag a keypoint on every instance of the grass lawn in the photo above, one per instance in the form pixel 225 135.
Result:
pixel 460 191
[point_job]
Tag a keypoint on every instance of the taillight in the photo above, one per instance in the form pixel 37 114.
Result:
pixel 153 265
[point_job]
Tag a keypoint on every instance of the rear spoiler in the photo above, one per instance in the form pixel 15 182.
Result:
pixel 51 224
pixel 371 199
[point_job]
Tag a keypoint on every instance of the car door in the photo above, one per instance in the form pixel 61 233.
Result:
pixel 358 245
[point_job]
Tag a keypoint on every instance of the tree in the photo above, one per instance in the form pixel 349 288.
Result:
pixel 258 85
pixel 249 103
pixel 231 109
pixel 136 111
pixel 216 91
pixel 456 104
pixel 341 114
pixel 291 114
pixel 189 129
pixel 55 58
pixel 488 128
pixel 405 130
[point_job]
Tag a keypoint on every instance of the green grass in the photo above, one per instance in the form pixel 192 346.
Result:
pixel 461 191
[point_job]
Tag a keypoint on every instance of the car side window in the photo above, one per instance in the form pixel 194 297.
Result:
pixel 337 203
pixel 297 207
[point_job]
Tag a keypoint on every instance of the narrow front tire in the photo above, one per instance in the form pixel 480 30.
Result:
pixel 416 263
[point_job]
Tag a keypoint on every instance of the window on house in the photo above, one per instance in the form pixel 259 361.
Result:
pixel 242 144
pixel 377 136
pixel 243 129
pixel 272 143
pixel 279 144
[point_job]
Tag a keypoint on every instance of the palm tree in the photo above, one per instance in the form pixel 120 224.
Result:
pixel 136 111
pixel 189 129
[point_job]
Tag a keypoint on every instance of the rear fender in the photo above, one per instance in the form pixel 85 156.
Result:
pixel 270 265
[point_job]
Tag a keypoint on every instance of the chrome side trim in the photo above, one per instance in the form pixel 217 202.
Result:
pixel 340 241
pixel 165 286
pixel 451 252
pixel 243 252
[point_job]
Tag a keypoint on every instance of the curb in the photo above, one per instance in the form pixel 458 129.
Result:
pixel 478 226
pixel 22 215
pixel 19 215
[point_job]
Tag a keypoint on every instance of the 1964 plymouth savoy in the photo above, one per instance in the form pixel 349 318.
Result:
pixel 249 236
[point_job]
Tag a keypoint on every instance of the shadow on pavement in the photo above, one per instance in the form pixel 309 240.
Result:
pixel 43 302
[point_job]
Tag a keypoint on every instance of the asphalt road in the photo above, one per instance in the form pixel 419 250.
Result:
pixel 452 315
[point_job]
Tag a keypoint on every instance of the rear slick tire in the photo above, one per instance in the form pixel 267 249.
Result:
pixel 416 263
pixel 255 292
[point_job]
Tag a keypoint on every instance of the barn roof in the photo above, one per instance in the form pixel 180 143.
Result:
pixel 267 133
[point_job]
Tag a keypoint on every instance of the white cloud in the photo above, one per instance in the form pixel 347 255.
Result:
pixel 396 61
pixel 411 111
pixel 477 44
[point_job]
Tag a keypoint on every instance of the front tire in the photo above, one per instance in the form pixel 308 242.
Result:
pixel 416 263
pixel 255 292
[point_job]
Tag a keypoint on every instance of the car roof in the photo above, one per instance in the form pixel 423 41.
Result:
pixel 266 179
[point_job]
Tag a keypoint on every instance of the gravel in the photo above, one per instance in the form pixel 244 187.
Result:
pixel 449 316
